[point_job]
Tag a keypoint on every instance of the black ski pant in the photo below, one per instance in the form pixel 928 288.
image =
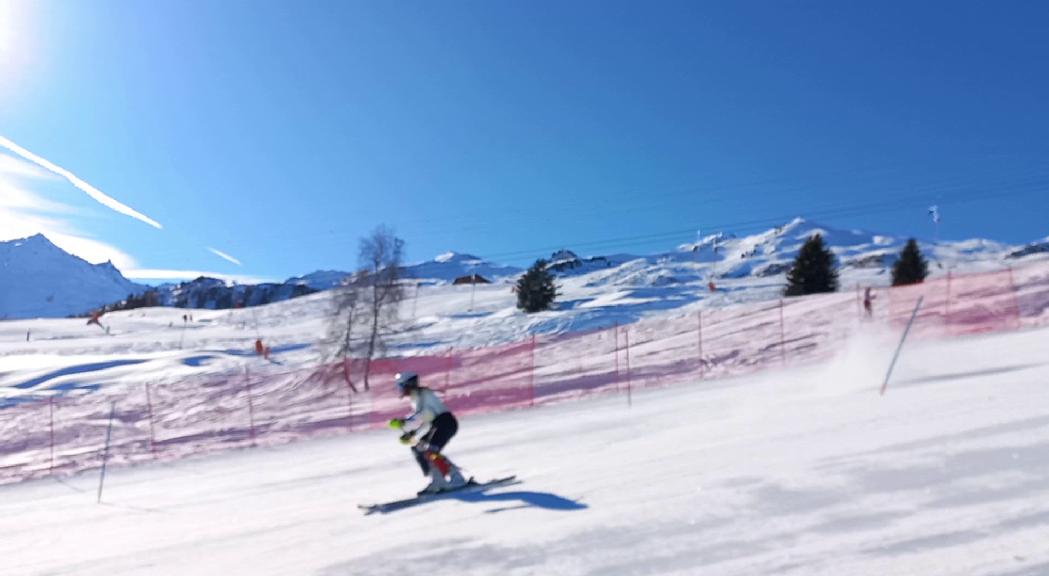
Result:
pixel 441 431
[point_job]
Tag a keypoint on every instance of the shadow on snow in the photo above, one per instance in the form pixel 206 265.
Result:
pixel 519 499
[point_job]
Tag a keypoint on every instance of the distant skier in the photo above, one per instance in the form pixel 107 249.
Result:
pixel 440 425
pixel 96 318
pixel 868 299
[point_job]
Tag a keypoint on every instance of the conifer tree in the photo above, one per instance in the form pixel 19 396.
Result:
pixel 535 289
pixel 911 267
pixel 813 271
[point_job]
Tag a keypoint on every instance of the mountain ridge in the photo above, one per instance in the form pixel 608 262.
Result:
pixel 717 257
pixel 39 279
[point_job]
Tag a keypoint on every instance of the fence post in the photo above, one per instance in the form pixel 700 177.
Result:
pixel 531 373
pixel 105 450
pixel 701 362
pixel 448 369
pixel 579 359
pixel 52 403
pixel 626 340
pixel 903 338
pixel 349 395
pixel 615 334
pixel 782 337
pixel 251 406
pixel 346 366
pixel 947 304
pixel 1016 300
pixel 152 432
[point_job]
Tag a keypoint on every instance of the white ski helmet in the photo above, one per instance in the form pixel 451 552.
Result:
pixel 406 382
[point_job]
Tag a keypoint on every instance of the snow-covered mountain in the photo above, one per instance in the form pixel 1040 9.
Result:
pixel 211 293
pixel 1041 247
pixel 39 279
pixel 215 294
pixel 862 257
pixel 451 265
pixel 321 279
pixel 445 268
pixel 748 267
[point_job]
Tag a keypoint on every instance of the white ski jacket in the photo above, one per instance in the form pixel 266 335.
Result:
pixel 426 406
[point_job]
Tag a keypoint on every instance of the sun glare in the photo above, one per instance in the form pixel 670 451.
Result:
pixel 12 39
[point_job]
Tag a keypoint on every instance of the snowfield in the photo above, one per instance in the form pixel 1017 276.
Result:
pixel 805 471
pixel 674 431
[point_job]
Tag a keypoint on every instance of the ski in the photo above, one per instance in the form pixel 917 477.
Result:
pixel 471 486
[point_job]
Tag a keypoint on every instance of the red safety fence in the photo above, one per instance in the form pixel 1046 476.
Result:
pixel 204 414
pixel 959 305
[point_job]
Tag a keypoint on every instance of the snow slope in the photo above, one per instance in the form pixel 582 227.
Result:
pixel 802 472
pixel 798 471
pixel 435 318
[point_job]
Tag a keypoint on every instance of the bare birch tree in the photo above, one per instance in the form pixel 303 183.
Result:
pixel 347 300
pixel 380 256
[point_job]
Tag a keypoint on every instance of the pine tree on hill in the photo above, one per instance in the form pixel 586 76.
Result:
pixel 813 271
pixel 911 267
pixel 535 289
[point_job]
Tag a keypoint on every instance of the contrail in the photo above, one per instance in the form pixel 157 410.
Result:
pixel 90 190
pixel 224 256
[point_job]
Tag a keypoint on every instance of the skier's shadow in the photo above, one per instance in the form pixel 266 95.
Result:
pixel 524 499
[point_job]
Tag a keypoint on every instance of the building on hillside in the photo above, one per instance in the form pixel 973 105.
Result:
pixel 471 279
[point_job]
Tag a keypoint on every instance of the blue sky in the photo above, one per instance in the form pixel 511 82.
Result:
pixel 279 133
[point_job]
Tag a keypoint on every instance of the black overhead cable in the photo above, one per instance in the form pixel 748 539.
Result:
pixel 763 223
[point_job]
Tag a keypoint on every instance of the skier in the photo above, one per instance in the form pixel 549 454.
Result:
pixel 428 412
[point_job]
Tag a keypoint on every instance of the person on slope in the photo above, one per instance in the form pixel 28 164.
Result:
pixel 430 413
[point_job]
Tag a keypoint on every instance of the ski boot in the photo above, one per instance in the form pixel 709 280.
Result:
pixel 445 468
pixel 437 482
pixel 455 478
pixel 450 470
